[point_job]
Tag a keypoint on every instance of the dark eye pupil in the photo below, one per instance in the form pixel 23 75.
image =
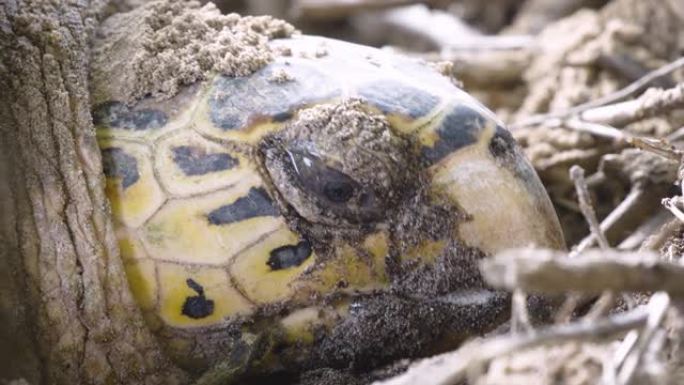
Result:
pixel 338 192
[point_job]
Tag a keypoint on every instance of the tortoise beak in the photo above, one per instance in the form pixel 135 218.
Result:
pixel 498 189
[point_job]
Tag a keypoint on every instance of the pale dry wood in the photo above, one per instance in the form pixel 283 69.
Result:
pixel 415 28
pixel 446 32
pixel 671 205
pixel 415 25
pixel 636 198
pixel 335 9
pixel 607 298
pixel 453 367
pixel 84 323
pixel 586 206
pixel 520 316
pixel 658 146
pixel 628 367
pixel 665 232
pixel 648 187
pixel 593 271
pixel 647 230
pixel 484 65
pixel 614 97
pixel 534 15
pixel 489 67
pixel 653 102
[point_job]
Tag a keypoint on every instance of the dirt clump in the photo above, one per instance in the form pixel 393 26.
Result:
pixel 176 43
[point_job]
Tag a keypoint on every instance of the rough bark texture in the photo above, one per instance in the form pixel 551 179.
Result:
pixel 66 312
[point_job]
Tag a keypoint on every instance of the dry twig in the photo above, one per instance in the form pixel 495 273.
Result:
pixel 650 227
pixel 450 368
pixel 335 9
pixel 671 204
pixel 577 176
pixel 652 102
pixel 661 147
pixel 584 198
pixel 520 317
pixel 423 27
pixel 418 23
pixel 548 271
pixel 634 199
pixel 486 64
pixel 614 97
pixel 658 306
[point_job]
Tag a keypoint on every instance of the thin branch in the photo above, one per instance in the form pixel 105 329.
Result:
pixel 417 23
pixel 607 299
pixel 626 347
pixel 566 311
pixel 614 97
pixel 647 229
pixel 653 102
pixel 520 317
pixel 676 135
pixel 657 309
pixel 671 204
pixel 657 146
pixel 602 305
pixel 637 195
pixel 438 28
pixel 597 129
pixel 548 271
pixel 484 64
pixel 335 9
pixel 577 176
pixel 451 368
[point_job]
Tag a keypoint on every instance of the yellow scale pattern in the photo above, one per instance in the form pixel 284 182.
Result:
pixel 165 238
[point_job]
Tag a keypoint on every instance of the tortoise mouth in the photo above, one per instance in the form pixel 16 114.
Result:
pixel 509 207
pixel 381 327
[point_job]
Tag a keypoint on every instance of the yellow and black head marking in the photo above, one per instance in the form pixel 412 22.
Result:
pixel 118 115
pixel 244 109
pixel 197 306
pixel 308 214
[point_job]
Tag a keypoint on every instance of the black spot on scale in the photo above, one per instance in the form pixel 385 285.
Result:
pixel 197 306
pixel 116 163
pixel 195 160
pixel 289 255
pixel 395 98
pixel 502 145
pixel 459 128
pixel 118 115
pixel 235 103
pixel 256 203
pixel 283 116
pixel 503 148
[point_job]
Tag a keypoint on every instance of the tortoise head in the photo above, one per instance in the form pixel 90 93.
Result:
pixel 399 219
pixel 345 167
pixel 339 165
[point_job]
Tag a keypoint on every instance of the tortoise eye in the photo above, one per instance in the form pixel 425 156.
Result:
pixel 322 180
pixel 338 191
pixel 319 191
